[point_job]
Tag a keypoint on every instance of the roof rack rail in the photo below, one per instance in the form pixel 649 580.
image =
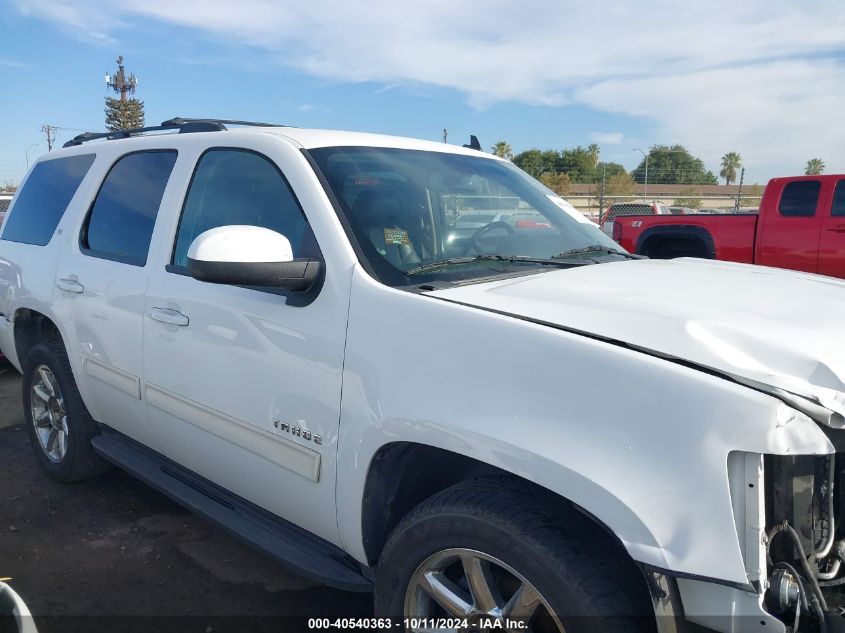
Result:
pixel 183 121
pixel 178 123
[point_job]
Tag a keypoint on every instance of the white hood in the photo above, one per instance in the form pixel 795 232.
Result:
pixel 776 330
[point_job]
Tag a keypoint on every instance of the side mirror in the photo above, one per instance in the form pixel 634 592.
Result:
pixel 242 255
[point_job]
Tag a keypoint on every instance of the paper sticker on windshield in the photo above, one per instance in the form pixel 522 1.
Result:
pixel 569 209
pixel 396 236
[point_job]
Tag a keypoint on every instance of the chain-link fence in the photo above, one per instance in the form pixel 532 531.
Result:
pixel 592 205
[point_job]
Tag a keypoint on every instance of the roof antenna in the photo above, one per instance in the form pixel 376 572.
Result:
pixel 473 143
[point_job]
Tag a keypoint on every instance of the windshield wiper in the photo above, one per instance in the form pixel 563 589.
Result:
pixel 596 249
pixel 560 262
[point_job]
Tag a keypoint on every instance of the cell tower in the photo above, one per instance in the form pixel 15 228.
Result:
pixel 120 83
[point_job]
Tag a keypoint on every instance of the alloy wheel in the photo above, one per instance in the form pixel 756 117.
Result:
pixel 48 413
pixel 464 584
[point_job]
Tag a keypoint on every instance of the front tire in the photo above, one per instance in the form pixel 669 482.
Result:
pixel 492 550
pixel 59 425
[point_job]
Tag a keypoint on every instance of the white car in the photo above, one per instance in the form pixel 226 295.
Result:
pixel 537 429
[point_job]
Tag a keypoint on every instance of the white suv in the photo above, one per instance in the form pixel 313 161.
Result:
pixel 523 425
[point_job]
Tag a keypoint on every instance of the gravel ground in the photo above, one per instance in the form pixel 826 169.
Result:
pixel 114 555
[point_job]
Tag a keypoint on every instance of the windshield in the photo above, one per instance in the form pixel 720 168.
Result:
pixel 410 210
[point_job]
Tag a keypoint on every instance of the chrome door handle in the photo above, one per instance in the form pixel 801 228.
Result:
pixel 70 285
pixel 169 316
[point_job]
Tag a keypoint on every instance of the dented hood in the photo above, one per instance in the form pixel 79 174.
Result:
pixel 779 331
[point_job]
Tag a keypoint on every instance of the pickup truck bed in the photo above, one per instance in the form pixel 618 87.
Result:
pixel 723 236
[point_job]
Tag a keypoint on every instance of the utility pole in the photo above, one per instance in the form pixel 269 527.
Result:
pixel 601 191
pixel 50 131
pixel 739 191
pixel 445 135
pixel 120 83
pixel 645 181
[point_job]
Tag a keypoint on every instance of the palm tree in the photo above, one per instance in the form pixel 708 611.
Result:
pixel 594 154
pixel 815 166
pixel 502 149
pixel 731 162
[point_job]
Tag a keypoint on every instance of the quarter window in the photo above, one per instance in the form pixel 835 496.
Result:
pixel 241 187
pixel 44 198
pixel 839 199
pixel 120 224
pixel 799 198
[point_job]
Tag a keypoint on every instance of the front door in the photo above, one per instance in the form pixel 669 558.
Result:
pixel 832 247
pixel 243 384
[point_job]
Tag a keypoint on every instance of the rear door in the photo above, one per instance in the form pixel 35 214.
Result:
pixel 100 284
pixel 832 245
pixel 788 231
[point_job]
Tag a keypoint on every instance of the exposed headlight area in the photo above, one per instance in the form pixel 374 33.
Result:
pixel 804 539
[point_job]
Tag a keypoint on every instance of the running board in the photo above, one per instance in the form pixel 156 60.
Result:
pixel 294 547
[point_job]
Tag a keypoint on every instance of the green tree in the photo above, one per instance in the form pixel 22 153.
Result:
pixel 609 170
pixel 815 166
pixel 594 151
pixel 688 197
pixel 578 163
pixel 502 149
pixel 124 115
pixel 535 161
pixel 621 184
pixel 557 181
pixel 731 162
pixel 672 164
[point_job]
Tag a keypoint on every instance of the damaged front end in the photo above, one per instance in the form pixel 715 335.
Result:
pixel 805 538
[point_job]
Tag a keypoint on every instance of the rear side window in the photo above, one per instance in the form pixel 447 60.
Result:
pixel 839 199
pixel 233 186
pixel 44 198
pixel 799 198
pixel 121 221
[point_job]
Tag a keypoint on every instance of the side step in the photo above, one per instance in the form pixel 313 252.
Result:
pixel 294 547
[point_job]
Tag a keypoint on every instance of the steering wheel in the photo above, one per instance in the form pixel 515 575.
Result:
pixel 474 240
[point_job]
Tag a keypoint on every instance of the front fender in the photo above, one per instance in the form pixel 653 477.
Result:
pixel 640 442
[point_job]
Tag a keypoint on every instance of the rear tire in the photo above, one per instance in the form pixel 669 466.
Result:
pixel 57 421
pixel 521 545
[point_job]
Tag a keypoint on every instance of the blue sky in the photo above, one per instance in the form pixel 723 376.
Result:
pixel 766 78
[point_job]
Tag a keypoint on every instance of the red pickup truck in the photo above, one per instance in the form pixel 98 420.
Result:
pixel 801 225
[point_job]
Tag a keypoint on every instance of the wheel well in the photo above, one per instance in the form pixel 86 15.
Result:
pixel 31 327
pixel 676 240
pixel 402 475
pixel 671 246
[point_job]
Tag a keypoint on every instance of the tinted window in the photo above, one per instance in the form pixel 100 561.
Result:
pixel 122 218
pixel 44 197
pixel 240 187
pixel 839 199
pixel 799 198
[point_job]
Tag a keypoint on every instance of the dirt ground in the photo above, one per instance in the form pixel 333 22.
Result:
pixel 114 555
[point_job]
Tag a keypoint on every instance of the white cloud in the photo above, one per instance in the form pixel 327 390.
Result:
pixel 608 138
pixel 12 63
pixel 776 115
pixel 305 107
pixel 717 76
